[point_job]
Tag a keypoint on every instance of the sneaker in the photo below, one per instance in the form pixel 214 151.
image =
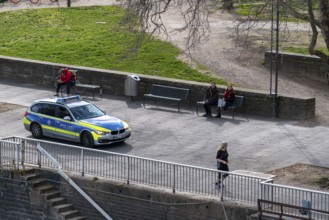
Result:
pixel 205 115
pixel 218 115
pixel 56 94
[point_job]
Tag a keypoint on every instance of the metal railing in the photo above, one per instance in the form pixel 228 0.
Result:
pixel 295 196
pixel 177 177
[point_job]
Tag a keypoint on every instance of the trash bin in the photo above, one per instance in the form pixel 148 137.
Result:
pixel 131 85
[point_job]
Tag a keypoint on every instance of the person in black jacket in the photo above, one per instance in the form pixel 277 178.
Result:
pixel 211 98
pixel 222 163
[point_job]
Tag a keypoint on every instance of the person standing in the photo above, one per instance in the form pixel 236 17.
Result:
pixel 229 98
pixel 211 98
pixel 222 163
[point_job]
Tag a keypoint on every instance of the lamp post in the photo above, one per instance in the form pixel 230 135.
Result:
pixel 274 94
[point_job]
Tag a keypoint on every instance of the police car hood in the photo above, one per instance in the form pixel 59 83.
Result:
pixel 106 121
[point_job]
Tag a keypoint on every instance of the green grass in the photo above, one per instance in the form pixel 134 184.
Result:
pixel 91 37
pixel 304 50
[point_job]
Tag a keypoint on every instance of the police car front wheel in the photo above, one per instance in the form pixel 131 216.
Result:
pixel 87 140
pixel 36 130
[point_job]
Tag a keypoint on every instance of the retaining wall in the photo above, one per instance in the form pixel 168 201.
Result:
pixel 119 200
pixel 113 82
pixel 294 64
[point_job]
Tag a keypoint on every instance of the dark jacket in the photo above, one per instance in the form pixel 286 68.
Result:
pixel 212 94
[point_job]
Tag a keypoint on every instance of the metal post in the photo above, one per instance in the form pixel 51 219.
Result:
pixel 23 152
pixel 174 180
pixel 82 163
pixel 68 3
pixel 274 95
pixel 128 172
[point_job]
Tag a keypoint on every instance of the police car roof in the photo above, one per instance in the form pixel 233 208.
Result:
pixel 69 101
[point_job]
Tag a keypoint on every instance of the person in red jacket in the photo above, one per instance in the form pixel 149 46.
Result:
pixel 65 79
pixel 229 97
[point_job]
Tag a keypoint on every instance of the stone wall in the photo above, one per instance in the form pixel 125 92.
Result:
pixel 119 200
pixel 113 82
pixel 16 201
pixel 300 65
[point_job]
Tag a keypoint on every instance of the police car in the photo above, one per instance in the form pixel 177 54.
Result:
pixel 72 119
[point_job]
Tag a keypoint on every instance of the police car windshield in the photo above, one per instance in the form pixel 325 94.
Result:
pixel 86 111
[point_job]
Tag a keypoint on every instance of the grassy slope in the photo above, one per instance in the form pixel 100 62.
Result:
pixel 89 36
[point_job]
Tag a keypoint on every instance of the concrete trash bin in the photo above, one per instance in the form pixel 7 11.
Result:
pixel 131 85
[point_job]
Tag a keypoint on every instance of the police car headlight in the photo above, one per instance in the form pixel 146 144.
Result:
pixel 101 132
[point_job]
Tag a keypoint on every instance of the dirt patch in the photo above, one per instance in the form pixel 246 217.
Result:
pixel 4 107
pixel 304 176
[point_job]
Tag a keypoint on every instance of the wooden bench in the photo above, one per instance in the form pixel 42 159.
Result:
pixel 238 102
pixel 93 87
pixel 167 93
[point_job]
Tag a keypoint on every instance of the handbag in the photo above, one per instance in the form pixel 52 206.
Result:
pixel 221 103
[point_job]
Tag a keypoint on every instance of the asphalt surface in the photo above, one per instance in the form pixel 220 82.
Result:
pixel 255 144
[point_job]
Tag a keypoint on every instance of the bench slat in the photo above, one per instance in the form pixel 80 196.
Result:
pixel 169 93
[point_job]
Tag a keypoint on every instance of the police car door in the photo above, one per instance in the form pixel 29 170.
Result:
pixel 65 124
pixel 45 118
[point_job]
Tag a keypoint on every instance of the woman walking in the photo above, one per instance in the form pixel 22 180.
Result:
pixel 222 161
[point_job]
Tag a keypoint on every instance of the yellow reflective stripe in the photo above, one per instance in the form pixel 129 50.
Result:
pixel 93 127
pixel 26 121
pixel 95 136
pixel 68 132
pixel 48 127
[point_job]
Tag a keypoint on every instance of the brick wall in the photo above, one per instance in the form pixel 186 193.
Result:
pixel 119 200
pixel 113 82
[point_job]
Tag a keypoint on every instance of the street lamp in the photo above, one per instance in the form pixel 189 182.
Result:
pixel 274 94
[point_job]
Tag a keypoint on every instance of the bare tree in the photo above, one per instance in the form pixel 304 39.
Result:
pixel 318 19
pixel 148 16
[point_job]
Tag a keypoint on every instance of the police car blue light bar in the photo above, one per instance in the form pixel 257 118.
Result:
pixel 68 99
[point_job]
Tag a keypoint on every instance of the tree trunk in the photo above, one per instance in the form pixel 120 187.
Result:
pixel 228 4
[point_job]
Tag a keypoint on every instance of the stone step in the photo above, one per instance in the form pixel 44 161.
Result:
pixel 63 207
pixel 31 176
pixel 45 188
pixel 77 218
pixel 56 201
pixel 37 182
pixel 70 214
pixel 52 194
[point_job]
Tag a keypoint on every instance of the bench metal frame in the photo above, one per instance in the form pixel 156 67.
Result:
pixel 237 104
pixel 167 93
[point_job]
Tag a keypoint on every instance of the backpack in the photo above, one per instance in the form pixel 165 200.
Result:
pixel 74 74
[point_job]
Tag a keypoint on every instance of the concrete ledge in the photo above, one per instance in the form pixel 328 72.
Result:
pixel 113 82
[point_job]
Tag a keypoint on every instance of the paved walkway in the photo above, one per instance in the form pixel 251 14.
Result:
pixel 255 144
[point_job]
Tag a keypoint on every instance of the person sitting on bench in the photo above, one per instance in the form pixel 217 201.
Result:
pixel 211 98
pixel 229 97
pixel 66 78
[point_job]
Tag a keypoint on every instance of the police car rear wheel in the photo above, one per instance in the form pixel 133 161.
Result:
pixel 87 140
pixel 36 131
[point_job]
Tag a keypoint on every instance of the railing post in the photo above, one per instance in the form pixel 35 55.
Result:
pixel 174 179
pixel 23 152
pixel 39 156
pixel 221 187
pixel 82 162
pixel 17 149
pixel 128 172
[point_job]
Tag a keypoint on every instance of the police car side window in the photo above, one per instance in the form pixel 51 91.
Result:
pixel 48 109
pixel 36 108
